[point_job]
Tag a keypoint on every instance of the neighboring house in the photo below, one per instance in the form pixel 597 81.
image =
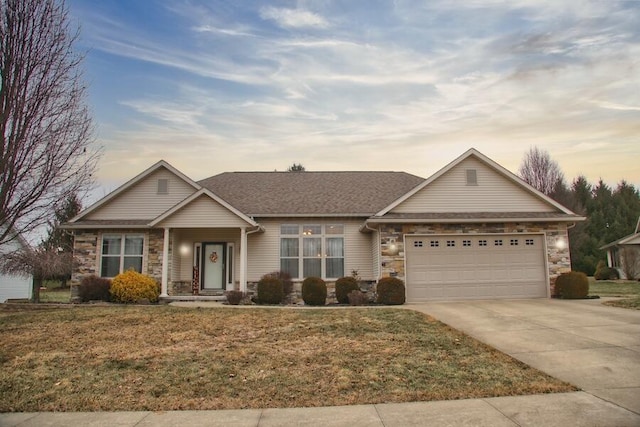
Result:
pixel 472 230
pixel 624 255
pixel 15 286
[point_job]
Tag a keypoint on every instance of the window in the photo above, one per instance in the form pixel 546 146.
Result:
pixel 466 243
pixel 451 243
pixel 513 242
pixel 498 242
pixel 312 250
pixel 528 242
pixel 417 244
pixel 163 186
pixel 435 243
pixel 482 243
pixel 120 252
pixel 472 177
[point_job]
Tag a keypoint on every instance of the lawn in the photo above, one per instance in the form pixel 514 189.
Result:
pixel 97 358
pixel 628 289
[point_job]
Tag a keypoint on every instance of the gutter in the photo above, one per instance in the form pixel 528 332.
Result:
pixel 466 220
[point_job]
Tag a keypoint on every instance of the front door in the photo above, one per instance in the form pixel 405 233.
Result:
pixel 213 266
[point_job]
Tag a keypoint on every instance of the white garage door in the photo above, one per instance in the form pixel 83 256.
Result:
pixel 446 267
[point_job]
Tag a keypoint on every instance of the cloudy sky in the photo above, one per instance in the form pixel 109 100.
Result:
pixel 214 86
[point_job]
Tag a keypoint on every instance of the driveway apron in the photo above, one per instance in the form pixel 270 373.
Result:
pixel 583 342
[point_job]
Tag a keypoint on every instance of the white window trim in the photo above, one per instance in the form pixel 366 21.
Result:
pixel 122 237
pixel 323 248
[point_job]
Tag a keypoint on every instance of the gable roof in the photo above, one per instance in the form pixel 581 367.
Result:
pixel 131 183
pixel 631 239
pixel 490 163
pixel 264 194
pixel 205 193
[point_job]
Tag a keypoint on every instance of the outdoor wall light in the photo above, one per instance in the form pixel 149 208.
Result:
pixel 560 243
pixel 184 249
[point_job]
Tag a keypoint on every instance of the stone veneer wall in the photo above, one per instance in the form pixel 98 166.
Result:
pixel 85 251
pixel 85 254
pixel 393 261
pixel 155 244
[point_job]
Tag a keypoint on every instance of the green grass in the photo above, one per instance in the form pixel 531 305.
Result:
pixel 628 289
pixel 56 295
pixel 90 358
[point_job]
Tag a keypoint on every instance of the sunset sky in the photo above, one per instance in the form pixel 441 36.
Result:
pixel 215 86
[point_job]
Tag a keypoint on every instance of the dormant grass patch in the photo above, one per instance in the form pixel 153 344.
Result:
pixel 88 358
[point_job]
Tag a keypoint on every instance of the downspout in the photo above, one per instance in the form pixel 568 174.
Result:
pixel 377 266
pixel 243 255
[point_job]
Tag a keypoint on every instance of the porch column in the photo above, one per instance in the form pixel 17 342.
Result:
pixel 243 259
pixel 165 264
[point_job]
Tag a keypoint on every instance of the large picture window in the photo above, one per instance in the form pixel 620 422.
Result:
pixel 312 250
pixel 120 252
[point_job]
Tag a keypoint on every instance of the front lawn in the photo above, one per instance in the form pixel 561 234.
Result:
pixel 96 358
pixel 617 288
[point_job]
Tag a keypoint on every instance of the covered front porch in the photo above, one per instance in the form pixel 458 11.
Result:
pixel 204 248
pixel 204 262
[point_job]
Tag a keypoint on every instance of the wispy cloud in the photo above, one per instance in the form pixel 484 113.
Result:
pixel 293 18
pixel 353 83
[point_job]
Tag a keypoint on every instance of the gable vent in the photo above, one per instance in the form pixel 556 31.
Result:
pixel 163 186
pixel 472 177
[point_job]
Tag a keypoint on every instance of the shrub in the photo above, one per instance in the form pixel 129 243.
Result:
pixel 234 297
pixel 344 286
pixel 572 285
pixel 314 291
pixel 390 291
pixel 603 272
pixel 132 286
pixel 287 283
pixel 357 297
pixel 270 290
pixel 94 288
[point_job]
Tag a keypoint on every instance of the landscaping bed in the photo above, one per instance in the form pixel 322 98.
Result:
pixel 107 358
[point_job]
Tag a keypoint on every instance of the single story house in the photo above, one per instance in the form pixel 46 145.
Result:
pixel 624 251
pixel 14 286
pixel 472 230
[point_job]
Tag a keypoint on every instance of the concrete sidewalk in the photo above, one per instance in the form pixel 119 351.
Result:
pixel 566 409
pixel 594 347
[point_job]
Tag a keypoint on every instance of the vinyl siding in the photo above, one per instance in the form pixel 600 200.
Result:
pixel 14 286
pixel 203 212
pixel 493 193
pixel 375 255
pixel 264 248
pixel 141 201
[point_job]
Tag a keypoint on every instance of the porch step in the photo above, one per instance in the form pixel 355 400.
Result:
pixel 194 298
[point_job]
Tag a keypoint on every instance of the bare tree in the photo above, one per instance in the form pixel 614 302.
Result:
pixel 540 171
pixel 47 149
pixel 296 168
pixel 42 263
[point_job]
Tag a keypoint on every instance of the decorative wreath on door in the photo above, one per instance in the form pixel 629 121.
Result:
pixel 213 257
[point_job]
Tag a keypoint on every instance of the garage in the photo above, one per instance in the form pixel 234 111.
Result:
pixel 450 267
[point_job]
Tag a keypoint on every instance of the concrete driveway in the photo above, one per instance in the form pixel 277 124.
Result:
pixel 583 342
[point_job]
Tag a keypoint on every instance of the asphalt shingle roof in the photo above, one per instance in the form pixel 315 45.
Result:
pixel 313 193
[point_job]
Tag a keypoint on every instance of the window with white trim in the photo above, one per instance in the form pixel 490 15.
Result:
pixel 120 252
pixel 312 250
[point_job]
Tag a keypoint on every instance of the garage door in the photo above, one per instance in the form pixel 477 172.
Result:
pixel 475 267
